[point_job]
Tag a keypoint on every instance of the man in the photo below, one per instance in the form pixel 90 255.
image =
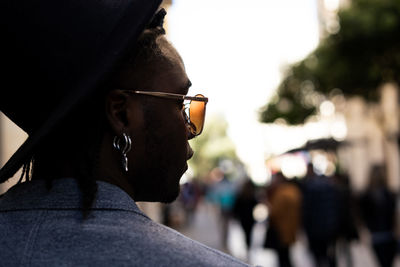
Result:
pixel 96 151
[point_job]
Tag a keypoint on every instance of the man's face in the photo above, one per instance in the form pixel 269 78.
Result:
pixel 160 145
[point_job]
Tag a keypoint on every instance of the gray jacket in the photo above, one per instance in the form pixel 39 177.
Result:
pixel 45 228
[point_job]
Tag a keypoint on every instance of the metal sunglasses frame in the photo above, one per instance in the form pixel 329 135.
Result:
pixel 174 96
pixel 169 95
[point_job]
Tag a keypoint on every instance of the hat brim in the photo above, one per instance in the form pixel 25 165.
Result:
pixel 123 36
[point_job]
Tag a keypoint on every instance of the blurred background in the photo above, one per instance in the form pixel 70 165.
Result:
pixel 298 164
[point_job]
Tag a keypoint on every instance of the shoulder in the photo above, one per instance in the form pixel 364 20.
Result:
pixel 141 236
pixel 115 238
pixel 49 228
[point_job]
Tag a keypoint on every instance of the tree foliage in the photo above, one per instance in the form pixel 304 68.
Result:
pixel 363 54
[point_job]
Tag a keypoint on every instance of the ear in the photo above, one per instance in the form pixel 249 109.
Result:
pixel 116 110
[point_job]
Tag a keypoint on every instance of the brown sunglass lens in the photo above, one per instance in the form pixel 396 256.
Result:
pixel 197 113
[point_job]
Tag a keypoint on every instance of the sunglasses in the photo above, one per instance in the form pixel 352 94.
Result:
pixel 194 109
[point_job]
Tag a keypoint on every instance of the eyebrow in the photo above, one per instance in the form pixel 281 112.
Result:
pixel 185 88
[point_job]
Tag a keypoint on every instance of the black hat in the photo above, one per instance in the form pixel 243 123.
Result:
pixel 54 54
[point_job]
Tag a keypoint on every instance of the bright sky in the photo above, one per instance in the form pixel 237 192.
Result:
pixel 234 52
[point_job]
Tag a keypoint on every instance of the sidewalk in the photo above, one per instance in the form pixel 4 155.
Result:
pixel 205 229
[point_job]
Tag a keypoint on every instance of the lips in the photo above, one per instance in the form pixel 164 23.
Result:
pixel 190 153
pixel 183 170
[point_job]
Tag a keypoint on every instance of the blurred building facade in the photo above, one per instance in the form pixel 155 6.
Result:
pixel 372 135
pixel 372 128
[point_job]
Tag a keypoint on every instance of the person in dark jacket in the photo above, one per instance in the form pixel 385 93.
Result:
pixel 378 206
pixel 102 94
pixel 245 202
pixel 321 216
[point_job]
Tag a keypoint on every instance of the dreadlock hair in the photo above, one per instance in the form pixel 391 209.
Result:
pixel 76 143
pixel 78 140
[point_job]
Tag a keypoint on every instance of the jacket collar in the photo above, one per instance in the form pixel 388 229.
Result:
pixel 64 194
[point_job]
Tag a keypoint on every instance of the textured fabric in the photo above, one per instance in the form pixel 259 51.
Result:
pixel 45 228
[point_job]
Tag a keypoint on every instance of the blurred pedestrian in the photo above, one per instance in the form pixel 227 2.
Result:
pixel 321 216
pixel 245 202
pixel 284 203
pixel 378 207
pixel 223 194
pixel 191 193
pixel 101 93
pixel 348 231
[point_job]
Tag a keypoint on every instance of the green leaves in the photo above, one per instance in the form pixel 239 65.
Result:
pixel 363 54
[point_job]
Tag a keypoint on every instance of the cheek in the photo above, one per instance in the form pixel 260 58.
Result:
pixel 176 139
pixel 181 125
pixel 172 125
pixel 176 132
pixel 167 132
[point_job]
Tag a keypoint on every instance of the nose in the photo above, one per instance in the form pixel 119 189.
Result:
pixel 190 135
pixel 190 152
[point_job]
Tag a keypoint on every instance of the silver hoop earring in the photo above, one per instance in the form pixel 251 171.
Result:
pixel 123 145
